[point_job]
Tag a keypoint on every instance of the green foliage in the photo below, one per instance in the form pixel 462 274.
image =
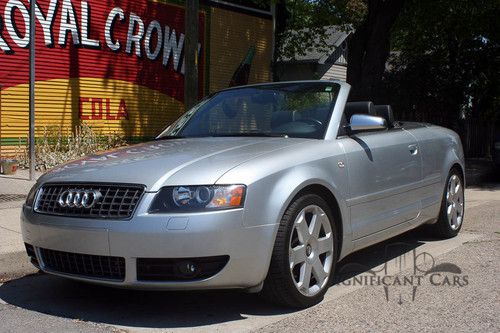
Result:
pixel 306 102
pixel 306 22
pixel 447 62
pixel 448 58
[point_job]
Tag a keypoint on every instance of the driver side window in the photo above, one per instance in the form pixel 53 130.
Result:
pixel 303 114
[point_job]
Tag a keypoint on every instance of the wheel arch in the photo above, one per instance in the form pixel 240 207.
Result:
pixel 459 167
pixel 453 154
pixel 332 202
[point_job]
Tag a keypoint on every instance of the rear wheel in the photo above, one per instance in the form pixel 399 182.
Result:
pixel 451 216
pixel 304 254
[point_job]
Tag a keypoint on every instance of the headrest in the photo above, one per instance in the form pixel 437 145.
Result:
pixel 359 108
pixel 385 111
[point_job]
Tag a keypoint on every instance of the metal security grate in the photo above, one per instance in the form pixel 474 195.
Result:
pixel 102 267
pixel 12 197
pixel 117 201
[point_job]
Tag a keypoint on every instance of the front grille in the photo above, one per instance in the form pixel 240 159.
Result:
pixel 179 269
pixel 86 265
pixel 117 201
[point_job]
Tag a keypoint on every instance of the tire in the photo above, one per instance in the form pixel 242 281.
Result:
pixel 298 252
pixel 453 202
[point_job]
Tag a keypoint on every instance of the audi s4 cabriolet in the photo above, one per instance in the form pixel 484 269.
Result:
pixel 261 187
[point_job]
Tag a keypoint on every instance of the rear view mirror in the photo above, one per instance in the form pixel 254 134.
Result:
pixel 365 122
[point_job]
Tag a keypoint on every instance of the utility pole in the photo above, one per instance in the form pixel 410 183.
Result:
pixel 0 122
pixel 191 54
pixel 32 90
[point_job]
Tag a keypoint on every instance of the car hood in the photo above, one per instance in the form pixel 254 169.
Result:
pixel 155 164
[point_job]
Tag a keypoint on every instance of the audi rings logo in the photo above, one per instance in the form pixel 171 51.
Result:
pixel 79 198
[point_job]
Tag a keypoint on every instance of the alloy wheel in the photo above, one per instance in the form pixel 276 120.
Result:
pixel 311 250
pixel 455 202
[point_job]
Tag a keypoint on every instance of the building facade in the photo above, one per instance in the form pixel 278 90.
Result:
pixel 117 65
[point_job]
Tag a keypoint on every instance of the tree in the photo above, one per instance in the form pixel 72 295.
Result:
pixel 447 66
pixel 369 48
pixel 447 50
pixel 456 44
pixel 302 24
pixel 304 27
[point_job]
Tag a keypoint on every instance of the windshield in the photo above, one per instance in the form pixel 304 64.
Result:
pixel 299 110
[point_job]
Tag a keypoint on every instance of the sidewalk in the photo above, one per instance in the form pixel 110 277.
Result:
pixel 18 183
pixel 13 260
pixel 13 191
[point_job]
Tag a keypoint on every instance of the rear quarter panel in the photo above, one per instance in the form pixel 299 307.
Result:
pixel 446 150
pixel 440 150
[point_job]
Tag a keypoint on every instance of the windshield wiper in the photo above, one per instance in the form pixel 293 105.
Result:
pixel 170 137
pixel 253 134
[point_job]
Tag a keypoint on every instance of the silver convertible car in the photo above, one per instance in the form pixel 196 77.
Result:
pixel 261 187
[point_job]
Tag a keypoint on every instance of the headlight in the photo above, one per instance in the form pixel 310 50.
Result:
pixel 31 195
pixel 198 198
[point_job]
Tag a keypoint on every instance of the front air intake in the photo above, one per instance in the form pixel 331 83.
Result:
pixel 84 265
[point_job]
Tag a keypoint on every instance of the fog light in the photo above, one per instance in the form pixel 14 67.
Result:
pixel 188 268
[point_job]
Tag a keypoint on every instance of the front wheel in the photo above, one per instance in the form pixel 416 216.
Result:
pixel 304 254
pixel 452 211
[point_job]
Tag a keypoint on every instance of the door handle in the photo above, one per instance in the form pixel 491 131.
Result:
pixel 413 149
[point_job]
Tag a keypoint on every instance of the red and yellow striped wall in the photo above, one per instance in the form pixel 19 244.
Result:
pixel 116 65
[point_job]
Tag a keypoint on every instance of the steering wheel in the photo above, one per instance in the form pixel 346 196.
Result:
pixel 312 121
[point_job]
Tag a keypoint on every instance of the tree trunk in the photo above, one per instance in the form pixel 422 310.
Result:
pixel 369 48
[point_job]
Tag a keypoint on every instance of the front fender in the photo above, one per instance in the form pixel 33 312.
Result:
pixel 269 196
pixel 301 179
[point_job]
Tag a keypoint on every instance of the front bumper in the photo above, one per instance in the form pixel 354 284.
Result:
pixel 208 234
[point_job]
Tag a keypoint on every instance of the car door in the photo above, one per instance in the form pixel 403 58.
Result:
pixel 432 152
pixel 384 171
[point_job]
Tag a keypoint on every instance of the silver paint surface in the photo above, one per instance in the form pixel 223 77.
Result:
pixel 384 183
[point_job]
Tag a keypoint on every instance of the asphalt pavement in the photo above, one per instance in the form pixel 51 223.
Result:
pixel 430 285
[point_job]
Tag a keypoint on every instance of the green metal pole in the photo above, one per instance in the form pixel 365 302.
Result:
pixel 191 54
pixel 32 90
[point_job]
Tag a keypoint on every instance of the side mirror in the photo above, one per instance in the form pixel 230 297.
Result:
pixel 365 122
